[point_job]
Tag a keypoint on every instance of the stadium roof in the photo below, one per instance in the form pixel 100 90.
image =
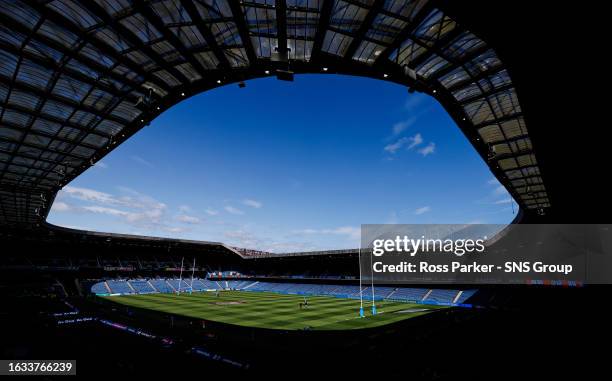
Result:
pixel 77 78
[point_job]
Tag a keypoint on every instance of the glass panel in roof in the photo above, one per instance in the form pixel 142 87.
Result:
pixel 407 52
pixel 8 64
pixel 108 127
pixel 462 45
pixel 368 52
pixel 495 80
pixel 57 110
pixel 310 4
pixel 59 34
pixel 526 160
pixel 207 59
pixel 11 37
pixel 95 140
pixel 189 72
pixel 10 134
pixel 404 8
pixel 470 91
pixel 24 100
pixel 33 74
pixel 96 55
pixel 260 20
pixel 213 9
pixel 167 78
pixel 385 28
pixel 81 118
pixel 43 51
pixel 482 63
pixel 21 11
pixel 114 7
pixel 171 11
pixel 264 46
pixel 433 64
pixel 164 48
pixel 509 163
pixel 302 24
pixel 336 43
pixel 434 27
pixel 299 49
pixel 16 118
pixel 83 152
pixel 478 112
pixel 508 129
pixel 69 133
pixel 226 34
pixel 46 126
pixel 112 39
pixel 347 17
pixel 141 59
pixel 70 88
pixel 454 77
pixel 74 11
pixel 98 99
pixel 504 103
pixel 140 27
pixel 126 110
pixel 237 57
pixel 190 36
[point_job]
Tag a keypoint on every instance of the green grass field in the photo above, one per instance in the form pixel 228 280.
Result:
pixel 276 311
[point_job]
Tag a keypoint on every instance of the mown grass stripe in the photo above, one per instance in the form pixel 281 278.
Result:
pixel 270 310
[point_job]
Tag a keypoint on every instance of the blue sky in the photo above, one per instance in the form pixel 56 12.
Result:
pixel 281 166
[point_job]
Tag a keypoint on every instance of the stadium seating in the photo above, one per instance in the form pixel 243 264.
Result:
pixel 405 294
pixel 161 285
pixel 99 288
pixel 465 295
pixel 408 294
pixel 441 296
pixel 120 287
pixel 141 286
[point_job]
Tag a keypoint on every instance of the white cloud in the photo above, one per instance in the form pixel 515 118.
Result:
pixel 408 142
pixel 393 147
pixel 476 222
pixel 101 165
pixel 500 190
pixel 400 127
pixel 142 161
pixel 415 141
pixel 414 101
pixel 184 218
pixel 106 210
pixel 421 210
pixel 59 206
pixel 211 212
pixel 428 149
pixel 184 209
pixel 173 229
pixel 349 231
pixel 244 239
pixel 87 194
pixel 503 201
pixel 132 207
pixel 493 181
pixel 230 209
pixel 252 203
pixel 305 231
